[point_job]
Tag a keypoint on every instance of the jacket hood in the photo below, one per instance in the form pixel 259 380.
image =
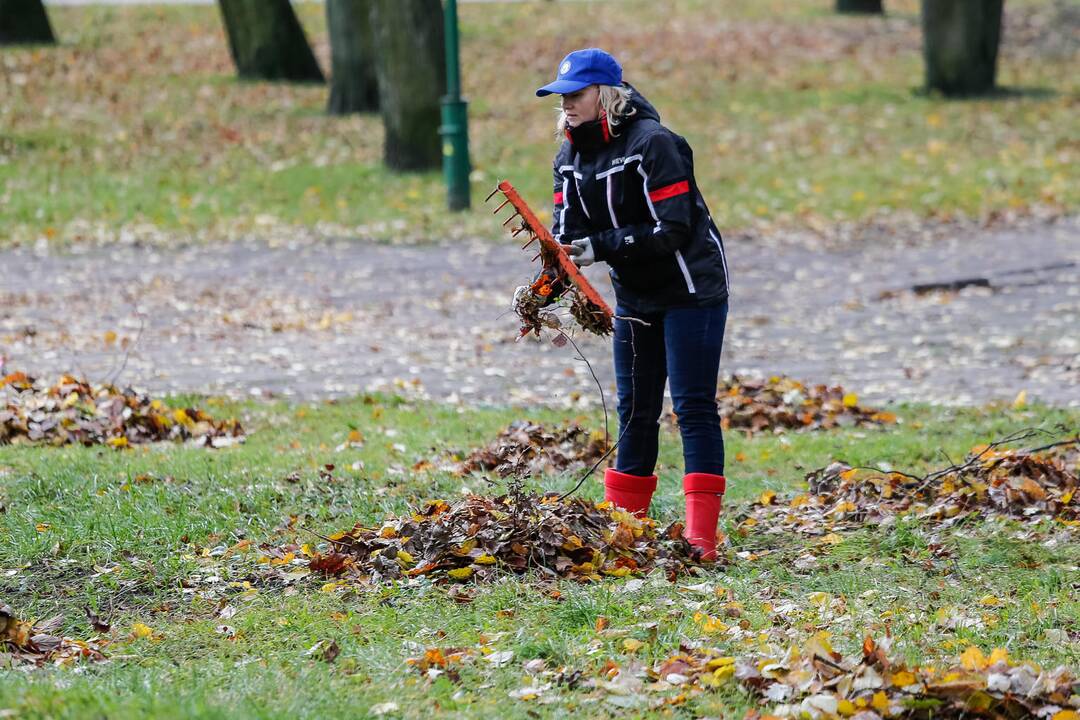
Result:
pixel 644 109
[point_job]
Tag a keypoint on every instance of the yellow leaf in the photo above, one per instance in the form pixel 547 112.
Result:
pixel 719 676
pixel 329 587
pixel 973 659
pixel 1021 399
pixel 406 557
pixel 720 662
pixel 117 442
pixel 851 400
pixel 766 498
pixel 485 560
pixel 181 417
pixel 818 598
pixel 799 500
pixel 980 702
pixel 632 645
pixel 461 573
pixel 880 701
pixel 990 601
pixel 845 707
pixel 110 337
pixel 140 630
pixel 714 625
pixel 355 436
pixel 466 547
pixel 1066 715
pixel 998 655
pixel 903 679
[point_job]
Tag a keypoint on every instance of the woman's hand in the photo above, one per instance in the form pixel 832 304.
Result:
pixel 581 252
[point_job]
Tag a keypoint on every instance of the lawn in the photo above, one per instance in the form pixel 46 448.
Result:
pixel 134 127
pixel 143 538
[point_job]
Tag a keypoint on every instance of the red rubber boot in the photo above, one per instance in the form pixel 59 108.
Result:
pixel 703 495
pixel 630 492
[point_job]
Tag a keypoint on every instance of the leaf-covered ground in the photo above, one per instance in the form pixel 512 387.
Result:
pixel 170 548
pixel 136 128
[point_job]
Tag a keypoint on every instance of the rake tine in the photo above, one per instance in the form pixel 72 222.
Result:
pixel 520 230
pixel 507 221
pixel 530 242
pixel 536 256
pixel 488 198
pixel 505 203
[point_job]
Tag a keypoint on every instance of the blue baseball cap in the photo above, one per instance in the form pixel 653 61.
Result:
pixel 581 69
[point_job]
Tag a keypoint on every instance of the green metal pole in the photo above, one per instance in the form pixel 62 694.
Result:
pixel 455 120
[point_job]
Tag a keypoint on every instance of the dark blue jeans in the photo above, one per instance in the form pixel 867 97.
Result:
pixel 682 346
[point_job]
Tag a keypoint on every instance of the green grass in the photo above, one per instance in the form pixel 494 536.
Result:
pixel 79 529
pixel 135 125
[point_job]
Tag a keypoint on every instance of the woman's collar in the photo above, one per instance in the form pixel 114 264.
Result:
pixel 591 135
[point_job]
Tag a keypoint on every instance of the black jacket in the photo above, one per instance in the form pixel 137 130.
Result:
pixel 634 195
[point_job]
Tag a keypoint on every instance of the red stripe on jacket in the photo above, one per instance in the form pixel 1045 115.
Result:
pixel 670 191
pixel 558 198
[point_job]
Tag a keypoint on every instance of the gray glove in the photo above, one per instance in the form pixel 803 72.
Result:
pixel 581 252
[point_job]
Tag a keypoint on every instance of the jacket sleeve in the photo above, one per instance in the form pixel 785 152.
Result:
pixel 568 219
pixel 666 185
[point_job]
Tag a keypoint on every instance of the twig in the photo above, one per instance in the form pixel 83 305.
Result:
pixel 625 425
pixel 323 537
pixel 1051 446
pixel 113 377
pixel 599 386
pixel 973 460
pixel 917 478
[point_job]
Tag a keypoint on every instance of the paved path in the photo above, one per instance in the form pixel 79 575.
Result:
pixel 321 319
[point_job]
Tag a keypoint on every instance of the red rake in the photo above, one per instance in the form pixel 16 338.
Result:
pixel 588 308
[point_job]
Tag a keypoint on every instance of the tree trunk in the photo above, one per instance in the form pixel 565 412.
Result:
pixel 353 87
pixel 267 42
pixel 868 7
pixel 411 69
pixel 24 21
pixel 960 45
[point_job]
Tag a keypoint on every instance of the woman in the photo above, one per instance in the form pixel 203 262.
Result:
pixel 625 194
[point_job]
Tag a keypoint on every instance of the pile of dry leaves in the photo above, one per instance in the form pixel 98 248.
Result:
pixel 24 644
pixel 781 403
pixel 815 682
pixel 1033 484
pixel 525 449
pixel 77 411
pixel 479 536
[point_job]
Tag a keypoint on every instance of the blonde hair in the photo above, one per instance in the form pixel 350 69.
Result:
pixel 614 102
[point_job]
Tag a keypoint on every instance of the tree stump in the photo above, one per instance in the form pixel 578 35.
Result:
pixel 411 70
pixel 865 7
pixel 267 42
pixel 353 87
pixel 960 45
pixel 24 22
